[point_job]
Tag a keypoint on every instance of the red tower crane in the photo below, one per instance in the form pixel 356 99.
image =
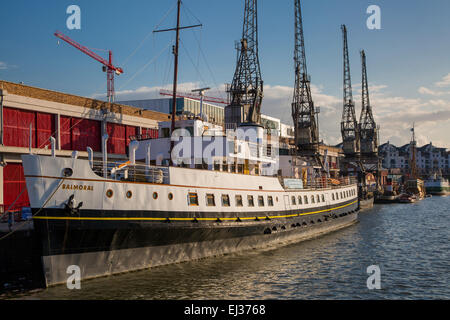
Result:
pixel 108 67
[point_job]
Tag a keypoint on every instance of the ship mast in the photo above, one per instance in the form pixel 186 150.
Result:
pixel 413 154
pixel 303 112
pixel 175 51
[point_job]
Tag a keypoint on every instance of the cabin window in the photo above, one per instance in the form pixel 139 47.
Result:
pixel 193 199
pixel 299 199
pixel 261 201
pixel 239 201
pixel 337 196
pixel 293 201
pixel 342 195
pixel 225 200
pixel 170 196
pixel 210 201
pixel 306 199
pixel 332 196
pixel 323 198
pixel 270 201
pixel 251 203
pixel 318 198
pixel 312 199
pixel 155 195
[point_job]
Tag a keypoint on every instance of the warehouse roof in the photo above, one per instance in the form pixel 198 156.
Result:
pixel 55 96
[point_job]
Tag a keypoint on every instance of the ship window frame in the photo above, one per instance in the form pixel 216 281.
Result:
pixel 312 199
pixel 170 196
pixel 323 197
pixel 238 200
pixel 261 201
pixel 332 196
pixel 318 198
pixel 129 194
pixel 337 195
pixel 250 201
pixel 270 201
pixel 305 197
pixel 299 200
pixel 155 195
pixel 192 195
pixel 208 197
pixel 109 193
pixel 293 201
pixel 226 203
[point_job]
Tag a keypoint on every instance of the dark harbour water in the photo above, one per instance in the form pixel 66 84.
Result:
pixel 409 242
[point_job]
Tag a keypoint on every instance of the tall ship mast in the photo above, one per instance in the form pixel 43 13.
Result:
pixel 212 192
pixel 303 112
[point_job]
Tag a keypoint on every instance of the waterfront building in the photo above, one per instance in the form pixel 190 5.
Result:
pixel 75 122
pixel 429 158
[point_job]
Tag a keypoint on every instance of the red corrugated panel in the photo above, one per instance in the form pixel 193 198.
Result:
pixel 13 184
pixel 86 133
pixel 45 128
pixel 131 131
pixel 78 134
pixel 116 140
pixel 150 132
pixel 64 127
pixel 16 127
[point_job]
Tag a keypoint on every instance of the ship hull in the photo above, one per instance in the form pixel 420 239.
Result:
pixel 103 249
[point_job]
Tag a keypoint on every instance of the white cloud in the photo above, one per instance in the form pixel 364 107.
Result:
pixel 445 82
pixel 3 66
pixel 394 114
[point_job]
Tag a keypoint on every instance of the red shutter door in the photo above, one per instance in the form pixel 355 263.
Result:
pixel 116 140
pixel 13 184
pixel 45 127
pixel 16 126
pixel 131 131
pixel 64 127
pixel 86 133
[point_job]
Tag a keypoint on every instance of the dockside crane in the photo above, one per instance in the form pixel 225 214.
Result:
pixel 349 125
pixel 303 111
pixel 246 90
pixel 108 66
pixel 368 128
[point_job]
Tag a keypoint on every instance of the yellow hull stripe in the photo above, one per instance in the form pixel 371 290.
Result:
pixel 192 219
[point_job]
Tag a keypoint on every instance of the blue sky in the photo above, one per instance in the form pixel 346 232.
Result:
pixel 407 59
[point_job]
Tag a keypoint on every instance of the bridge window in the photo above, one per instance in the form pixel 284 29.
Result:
pixel 261 201
pixel 270 201
pixel 210 201
pixel 225 200
pixel 251 202
pixel 238 199
pixel 193 199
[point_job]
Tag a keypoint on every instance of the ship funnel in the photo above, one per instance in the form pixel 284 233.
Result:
pixel 53 144
pixel 132 151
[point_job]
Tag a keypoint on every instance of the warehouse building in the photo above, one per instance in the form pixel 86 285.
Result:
pixel 75 122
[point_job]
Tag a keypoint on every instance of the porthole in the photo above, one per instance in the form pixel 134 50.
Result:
pixel 170 196
pixel 109 193
pixel 155 195
pixel 67 172
pixel 129 194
